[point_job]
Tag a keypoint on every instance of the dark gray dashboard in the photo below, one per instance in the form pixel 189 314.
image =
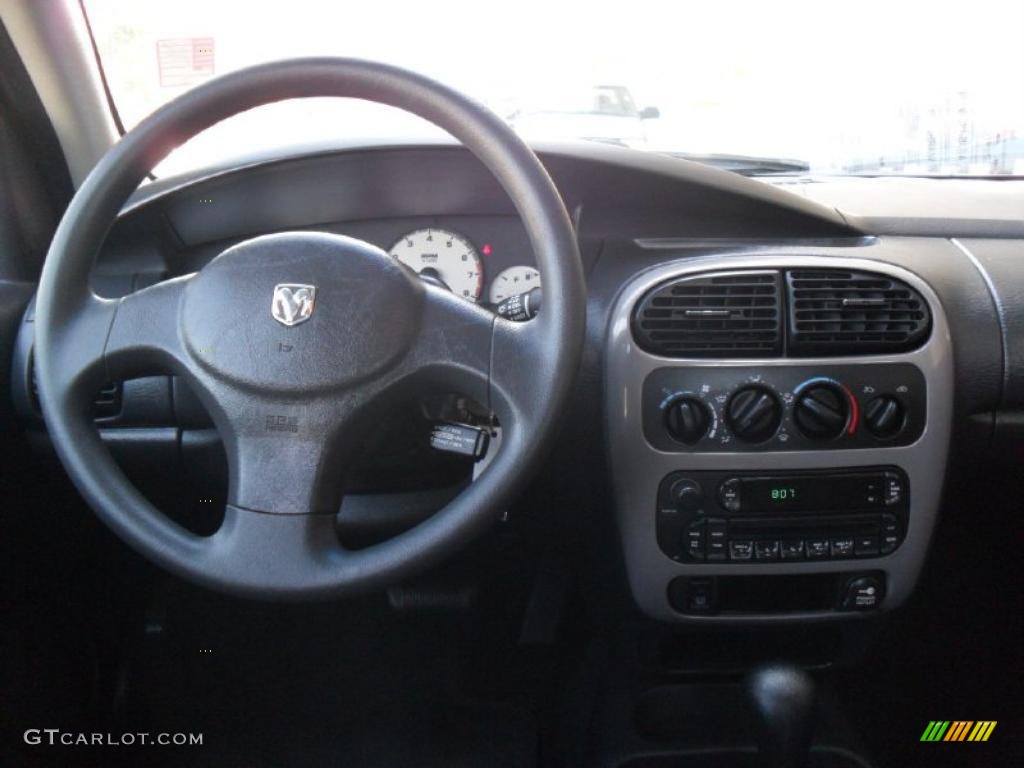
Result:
pixel 637 215
pixel 172 225
pixel 633 211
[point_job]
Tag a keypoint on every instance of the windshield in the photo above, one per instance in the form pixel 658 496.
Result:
pixel 880 87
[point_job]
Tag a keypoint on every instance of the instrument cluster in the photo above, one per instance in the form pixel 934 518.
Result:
pixel 477 270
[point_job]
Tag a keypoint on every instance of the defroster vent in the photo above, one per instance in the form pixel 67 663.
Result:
pixel 724 314
pixel 839 312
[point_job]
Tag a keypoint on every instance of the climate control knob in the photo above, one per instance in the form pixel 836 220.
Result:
pixel 753 413
pixel 687 419
pixel 885 416
pixel 821 411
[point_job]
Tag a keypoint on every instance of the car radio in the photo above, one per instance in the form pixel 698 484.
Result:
pixel 743 517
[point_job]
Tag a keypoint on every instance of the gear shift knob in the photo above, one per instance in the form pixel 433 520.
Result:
pixel 783 700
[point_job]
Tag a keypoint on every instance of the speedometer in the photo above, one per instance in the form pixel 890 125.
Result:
pixel 444 256
pixel 512 282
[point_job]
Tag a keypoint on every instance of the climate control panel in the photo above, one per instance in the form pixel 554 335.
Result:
pixel 783 408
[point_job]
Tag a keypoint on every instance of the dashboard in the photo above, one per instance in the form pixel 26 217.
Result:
pixel 771 388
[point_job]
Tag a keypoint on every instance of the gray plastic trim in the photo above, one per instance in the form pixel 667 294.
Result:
pixel 637 467
pixel 53 42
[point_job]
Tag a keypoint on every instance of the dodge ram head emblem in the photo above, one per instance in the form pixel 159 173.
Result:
pixel 293 303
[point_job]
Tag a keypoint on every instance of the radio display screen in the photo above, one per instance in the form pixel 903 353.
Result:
pixel 807 494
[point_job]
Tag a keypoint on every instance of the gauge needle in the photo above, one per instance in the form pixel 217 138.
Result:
pixel 434 276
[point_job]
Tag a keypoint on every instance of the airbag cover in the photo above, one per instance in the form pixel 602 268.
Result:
pixel 363 317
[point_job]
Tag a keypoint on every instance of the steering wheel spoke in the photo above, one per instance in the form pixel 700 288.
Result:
pixel 518 349
pixel 275 556
pixel 452 350
pixel 75 353
pixel 145 331
pixel 289 457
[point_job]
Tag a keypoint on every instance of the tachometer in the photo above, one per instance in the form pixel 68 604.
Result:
pixel 513 281
pixel 445 256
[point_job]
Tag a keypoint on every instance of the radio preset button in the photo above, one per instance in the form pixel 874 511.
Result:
pixel 766 550
pixel 741 549
pixel 817 549
pixel 842 547
pixel 792 550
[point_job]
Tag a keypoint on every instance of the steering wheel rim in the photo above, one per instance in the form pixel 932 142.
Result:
pixel 278 541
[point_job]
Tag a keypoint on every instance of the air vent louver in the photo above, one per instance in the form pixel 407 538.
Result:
pixel 838 312
pixel 726 314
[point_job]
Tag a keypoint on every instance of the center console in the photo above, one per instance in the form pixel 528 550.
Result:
pixel 779 427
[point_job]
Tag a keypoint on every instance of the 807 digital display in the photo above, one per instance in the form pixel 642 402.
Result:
pixel 805 494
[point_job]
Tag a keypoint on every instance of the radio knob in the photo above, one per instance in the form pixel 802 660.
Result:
pixel 753 413
pixel 687 419
pixel 821 411
pixel 885 416
pixel 688 495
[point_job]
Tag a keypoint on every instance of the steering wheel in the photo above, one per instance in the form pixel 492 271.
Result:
pixel 295 343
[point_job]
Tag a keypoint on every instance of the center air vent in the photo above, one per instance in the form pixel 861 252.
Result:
pixel 839 312
pixel 725 314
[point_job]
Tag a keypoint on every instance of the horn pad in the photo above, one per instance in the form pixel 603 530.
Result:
pixel 361 320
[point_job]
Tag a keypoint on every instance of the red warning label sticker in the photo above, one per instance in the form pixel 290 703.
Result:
pixel 184 61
